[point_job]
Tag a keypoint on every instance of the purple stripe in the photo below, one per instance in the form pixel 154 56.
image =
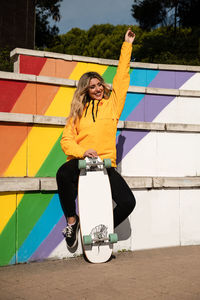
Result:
pixel 130 138
pixel 154 104
pixel 171 79
pixel 51 242
pixel 148 108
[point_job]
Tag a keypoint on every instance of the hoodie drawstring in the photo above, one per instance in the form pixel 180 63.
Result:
pixel 92 109
pixel 87 108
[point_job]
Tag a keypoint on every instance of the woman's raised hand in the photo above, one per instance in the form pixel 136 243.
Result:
pixel 129 36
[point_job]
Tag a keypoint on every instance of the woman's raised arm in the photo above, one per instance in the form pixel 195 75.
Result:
pixel 122 77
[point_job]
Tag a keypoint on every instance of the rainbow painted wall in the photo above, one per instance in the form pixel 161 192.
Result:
pixel 31 222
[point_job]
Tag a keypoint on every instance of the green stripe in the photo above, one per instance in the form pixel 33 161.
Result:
pixel 29 211
pixel 8 241
pixel 26 215
pixel 110 72
pixel 53 161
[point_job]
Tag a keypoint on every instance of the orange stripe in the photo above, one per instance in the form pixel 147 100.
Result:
pixel 11 138
pixel 26 102
pixel 58 68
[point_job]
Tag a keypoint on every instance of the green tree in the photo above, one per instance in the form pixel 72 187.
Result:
pixel 73 42
pixel 149 13
pixel 188 12
pixel 5 62
pixel 44 33
pixel 178 13
pixel 99 41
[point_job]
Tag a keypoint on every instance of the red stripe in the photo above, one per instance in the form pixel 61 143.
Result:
pixel 9 93
pixel 31 64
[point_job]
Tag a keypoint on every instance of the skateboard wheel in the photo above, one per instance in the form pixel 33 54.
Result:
pixel 87 240
pixel 113 238
pixel 81 164
pixel 107 162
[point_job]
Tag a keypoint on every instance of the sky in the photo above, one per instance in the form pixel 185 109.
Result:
pixel 85 13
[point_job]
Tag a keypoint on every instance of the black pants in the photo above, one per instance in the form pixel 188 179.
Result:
pixel 67 181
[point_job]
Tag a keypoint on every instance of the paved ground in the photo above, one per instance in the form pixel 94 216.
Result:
pixel 169 273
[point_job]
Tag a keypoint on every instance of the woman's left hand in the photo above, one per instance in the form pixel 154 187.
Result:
pixel 129 36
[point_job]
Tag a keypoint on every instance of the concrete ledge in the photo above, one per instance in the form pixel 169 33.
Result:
pixel 18 51
pixel 16 118
pixel 139 182
pixel 176 182
pixel 137 89
pixel 56 81
pixel 17 77
pixel 20 184
pixel 48 120
pixel 132 125
pixel 48 184
pixel 37 79
pixel 144 126
pixel 31 119
pixel 160 91
pixel 182 127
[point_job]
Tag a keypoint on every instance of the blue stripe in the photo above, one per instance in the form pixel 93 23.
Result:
pixel 142 77
pixel 41 230
pixel 138 77
pixel 132 100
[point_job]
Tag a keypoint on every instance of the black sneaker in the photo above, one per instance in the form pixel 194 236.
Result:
pixel 71 234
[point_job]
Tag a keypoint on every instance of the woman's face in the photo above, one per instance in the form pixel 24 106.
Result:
pixel 96 89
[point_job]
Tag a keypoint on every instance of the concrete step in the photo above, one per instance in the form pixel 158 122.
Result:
pixel 20 51
pixel 21 184
pixel 73 83
pixel 61 121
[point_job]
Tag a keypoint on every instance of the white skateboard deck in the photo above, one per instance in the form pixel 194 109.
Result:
pixel 95 212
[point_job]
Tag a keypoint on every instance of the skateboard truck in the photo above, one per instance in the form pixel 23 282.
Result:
pixel 100 234
pixel 94 163
pixel 112 238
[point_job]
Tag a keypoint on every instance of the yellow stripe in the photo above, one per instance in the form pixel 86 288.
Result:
pixel 8 204
pixel 61 103
pixel 7 208
pixel 82 68
pixel 41 139
pixel 18 165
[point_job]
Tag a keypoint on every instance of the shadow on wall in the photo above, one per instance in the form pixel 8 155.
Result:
pixel 120 148
pixel 124 229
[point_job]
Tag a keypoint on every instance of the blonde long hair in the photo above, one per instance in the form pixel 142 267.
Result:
pixel 81 96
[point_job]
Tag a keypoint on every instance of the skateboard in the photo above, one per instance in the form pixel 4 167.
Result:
pixel 96 209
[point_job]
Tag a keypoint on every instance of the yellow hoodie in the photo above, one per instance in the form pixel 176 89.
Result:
pixel 98 131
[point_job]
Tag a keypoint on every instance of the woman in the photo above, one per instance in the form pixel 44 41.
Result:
pixel 90 131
